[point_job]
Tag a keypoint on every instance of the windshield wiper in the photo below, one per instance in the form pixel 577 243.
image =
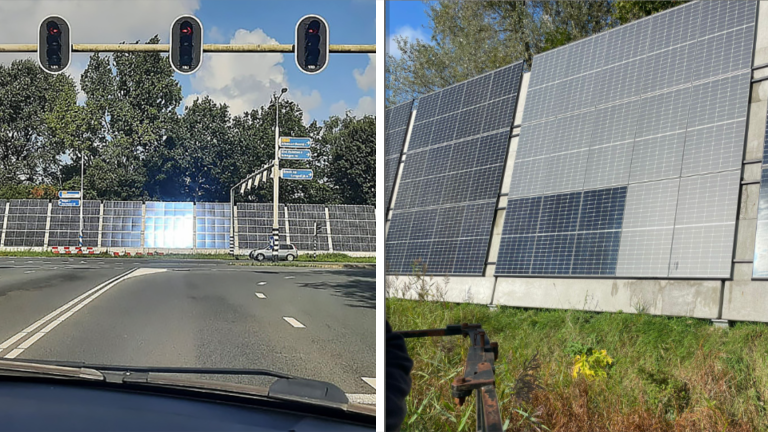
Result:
pixel 287 387
pixel 161 369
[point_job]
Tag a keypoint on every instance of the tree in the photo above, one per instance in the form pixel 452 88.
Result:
pixel 628 11
pixel 352 143
pixel 33 105
pixel 470 38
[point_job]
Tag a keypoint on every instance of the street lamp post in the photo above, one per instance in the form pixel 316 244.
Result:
pixel 275 222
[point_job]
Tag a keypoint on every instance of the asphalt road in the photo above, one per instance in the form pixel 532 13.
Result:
pixel 313 323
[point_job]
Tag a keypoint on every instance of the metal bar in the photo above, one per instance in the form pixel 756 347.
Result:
pixel 751 161
pixel 760 66
pixel 746 182
pixel 757 80
pixel 209 48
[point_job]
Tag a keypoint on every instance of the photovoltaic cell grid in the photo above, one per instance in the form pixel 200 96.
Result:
pixel 397 119
pixel 254 224
pixel 212 225
pixel 446 199
pixel 65 225
pixel 26 222
pixel 661 100
pixel 353 228
pixel 301 226
pixel 168 225
pixel 121 225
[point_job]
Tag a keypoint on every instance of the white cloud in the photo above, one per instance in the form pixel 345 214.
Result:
pixel 247 81
pixel 367 79
pixel 213 35
pixel 106 21
pixel 407 32
pixel 365 106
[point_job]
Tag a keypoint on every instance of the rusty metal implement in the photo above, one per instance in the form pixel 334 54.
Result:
pixel 479 372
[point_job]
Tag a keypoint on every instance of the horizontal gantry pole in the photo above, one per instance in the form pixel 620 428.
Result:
pixel 207 48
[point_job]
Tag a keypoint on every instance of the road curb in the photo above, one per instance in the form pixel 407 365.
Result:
pixel 309 265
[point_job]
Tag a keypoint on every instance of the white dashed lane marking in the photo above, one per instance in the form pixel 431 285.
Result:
pixel 294 322
pixel 289 277
pixel 261 295
pixel 261 283
pixel 370 381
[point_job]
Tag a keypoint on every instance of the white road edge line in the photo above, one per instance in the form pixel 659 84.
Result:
pixel 362 398
pixel 84 299
pixel 370 381
pixel 294 322
pixel 260 295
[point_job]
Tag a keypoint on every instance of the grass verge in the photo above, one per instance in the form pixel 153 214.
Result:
pixel 669 374
pixel 324 258
pixel 335 257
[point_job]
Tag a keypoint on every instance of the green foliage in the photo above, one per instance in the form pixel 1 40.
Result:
pixel 334 257
pixel 628 11
pixel 471 37
pixel 671 373
pixel 135 145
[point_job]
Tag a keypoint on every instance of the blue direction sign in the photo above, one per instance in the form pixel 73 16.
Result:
pixel 296 174
pixel 69 194
pixel 291 142
pixel 295 154
pixel 69 203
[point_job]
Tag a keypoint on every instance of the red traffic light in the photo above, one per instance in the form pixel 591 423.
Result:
pixel 53 28
pixel 186 28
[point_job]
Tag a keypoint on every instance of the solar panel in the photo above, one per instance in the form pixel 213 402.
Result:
pixel 353 228
pixel 640 120
pixel 65 224
pixel 254 224
pixel 446 198
pixel 301 224
pixel 397 119
pixel 212 225
pixel 26 223
pixel 121 225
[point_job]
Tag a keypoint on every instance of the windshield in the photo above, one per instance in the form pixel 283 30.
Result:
pixel 137 185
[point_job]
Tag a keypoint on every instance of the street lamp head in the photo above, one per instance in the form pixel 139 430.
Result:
pixel 283 90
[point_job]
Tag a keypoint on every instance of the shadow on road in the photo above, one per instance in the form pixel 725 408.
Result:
pixel 358 292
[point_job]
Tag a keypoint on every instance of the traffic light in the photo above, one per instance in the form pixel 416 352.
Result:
pixel 312 43
pixel 186 54
pixel 54 50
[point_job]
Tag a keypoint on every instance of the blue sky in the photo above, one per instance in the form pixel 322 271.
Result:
pixel 408 19
pixel 244 81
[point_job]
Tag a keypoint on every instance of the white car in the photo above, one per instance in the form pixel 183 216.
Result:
pixel 288 252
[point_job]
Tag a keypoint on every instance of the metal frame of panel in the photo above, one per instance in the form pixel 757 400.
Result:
pixel 663 98
pixel 451 178
pixel 397 119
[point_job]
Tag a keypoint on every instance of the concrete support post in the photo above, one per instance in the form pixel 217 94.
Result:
pixel 287 227
pixel 5 223
pixel 328 229
pixel 143 224
pixel 194 227
pixel 48 224
pixel 234 220
pixel 101 223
